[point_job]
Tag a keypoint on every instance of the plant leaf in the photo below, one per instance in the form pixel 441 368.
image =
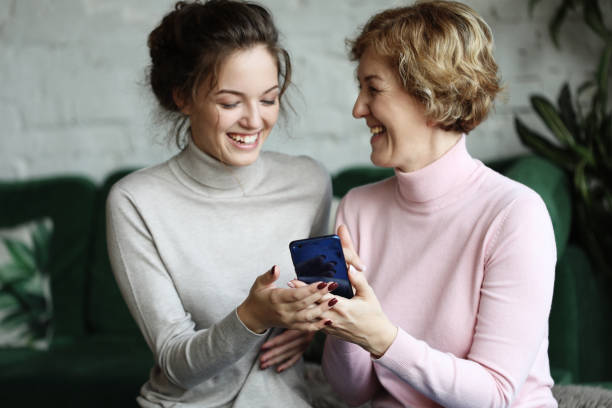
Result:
pixel 21 254
pixel 603 70
pixel 13 273
pixel 15 319
pixel 554 27
pixel 580 182
pixel 41 239
pixel 567 112
pixel 594 19
pixel 540 145
pixel 7 301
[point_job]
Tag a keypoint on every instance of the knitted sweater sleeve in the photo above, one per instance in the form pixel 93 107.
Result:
pixel 512 320
pixel 348 367
pixel 187 355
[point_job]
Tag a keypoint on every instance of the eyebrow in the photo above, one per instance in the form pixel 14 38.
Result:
pixel 233 92
pixel 373 76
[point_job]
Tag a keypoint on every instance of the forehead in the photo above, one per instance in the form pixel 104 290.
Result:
pixel 253 69
pixel 372 65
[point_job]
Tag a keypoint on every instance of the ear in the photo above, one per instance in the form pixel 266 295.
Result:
pixel 179 100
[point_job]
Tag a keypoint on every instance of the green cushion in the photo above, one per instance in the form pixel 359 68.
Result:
pixel 550 182
pixel 352 177
pixel 106 309
pixel 580 330
pixel 564 342
pixel 68 201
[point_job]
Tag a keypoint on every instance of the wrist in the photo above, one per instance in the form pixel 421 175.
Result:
pixel 382 339
pixel 247 318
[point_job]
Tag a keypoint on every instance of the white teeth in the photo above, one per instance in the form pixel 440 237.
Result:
pixel 377 129
pixel 250 139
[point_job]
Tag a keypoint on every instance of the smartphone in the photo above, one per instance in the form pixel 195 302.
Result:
pixel 321 259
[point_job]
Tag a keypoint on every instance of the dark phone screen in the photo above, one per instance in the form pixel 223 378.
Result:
pixel 321 259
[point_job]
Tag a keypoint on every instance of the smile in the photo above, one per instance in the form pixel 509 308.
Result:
pixel 245 139
pixel 377 130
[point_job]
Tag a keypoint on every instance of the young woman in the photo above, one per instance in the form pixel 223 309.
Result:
pixel 460 260
pixel 192 241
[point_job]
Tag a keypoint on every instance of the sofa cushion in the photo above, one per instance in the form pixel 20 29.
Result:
pixel 97 371
pixel 68 202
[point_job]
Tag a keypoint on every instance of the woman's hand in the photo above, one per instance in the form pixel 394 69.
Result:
pixel 284 350
pixel 268 306
pixel 360 319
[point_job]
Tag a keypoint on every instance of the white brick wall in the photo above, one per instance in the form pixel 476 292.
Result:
pixel 72 98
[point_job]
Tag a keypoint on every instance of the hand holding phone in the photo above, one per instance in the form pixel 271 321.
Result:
pixel 321 259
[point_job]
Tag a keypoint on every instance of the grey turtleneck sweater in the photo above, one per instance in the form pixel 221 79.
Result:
pixel 186 239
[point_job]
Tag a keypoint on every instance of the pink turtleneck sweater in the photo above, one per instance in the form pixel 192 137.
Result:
pixel 462 260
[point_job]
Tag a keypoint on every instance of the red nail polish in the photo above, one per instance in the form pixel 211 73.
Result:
pixel 321 285
pixel 328 323
pixel 332 286
pixel 332 302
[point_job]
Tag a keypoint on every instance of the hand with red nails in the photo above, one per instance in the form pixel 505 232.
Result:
pixel 359 320
pixel 268 306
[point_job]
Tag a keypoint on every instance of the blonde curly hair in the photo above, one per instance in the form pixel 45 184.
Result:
pixel 443 53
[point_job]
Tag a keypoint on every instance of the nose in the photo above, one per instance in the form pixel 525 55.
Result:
pixel 252 117
pixel 360 109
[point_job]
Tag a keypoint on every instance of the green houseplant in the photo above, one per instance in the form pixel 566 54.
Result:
pixel 581 127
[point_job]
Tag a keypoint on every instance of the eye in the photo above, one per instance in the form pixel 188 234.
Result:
pixel 372 90
pixel 268 102
pixel 229 105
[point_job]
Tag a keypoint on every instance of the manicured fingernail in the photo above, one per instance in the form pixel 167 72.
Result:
pixel 332 286
pixel 328 322
pixel 272 270
pixel 321 285
pixel 291 285
pixel 332 302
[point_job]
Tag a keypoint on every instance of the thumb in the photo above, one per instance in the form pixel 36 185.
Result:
pixel 360 283
pixel 350 255
pixel 267 278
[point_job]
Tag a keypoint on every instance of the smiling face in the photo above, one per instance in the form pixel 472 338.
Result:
pixel 401 136
pixel 231 121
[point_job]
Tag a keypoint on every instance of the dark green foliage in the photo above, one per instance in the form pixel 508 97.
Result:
pixel 22 285
pixel 582 128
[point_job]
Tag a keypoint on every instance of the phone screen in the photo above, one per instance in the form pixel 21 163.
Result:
pixel 321 259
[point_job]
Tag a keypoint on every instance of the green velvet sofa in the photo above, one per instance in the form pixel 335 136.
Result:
pixel 97 356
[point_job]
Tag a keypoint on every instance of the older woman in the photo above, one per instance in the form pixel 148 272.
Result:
pixel 459 259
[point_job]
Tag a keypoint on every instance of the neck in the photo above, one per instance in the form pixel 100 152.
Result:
pixel 435 144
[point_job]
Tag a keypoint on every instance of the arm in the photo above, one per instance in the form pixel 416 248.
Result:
pixel 512 319
pixel 188 355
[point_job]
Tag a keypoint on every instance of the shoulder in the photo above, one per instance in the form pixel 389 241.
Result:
pixel 507 194
pixel 150 181
pixel 294 165
pixel 295 172
pixel 371 194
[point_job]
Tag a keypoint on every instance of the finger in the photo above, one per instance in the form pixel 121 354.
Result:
pixel 314 313
pixel 284 337
pixel 281 353
pixel 350 255
pixel 289 363
pixel 360 283
pixel 267 278
pixel 280 358
pixel 300 298
pixel 297 283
